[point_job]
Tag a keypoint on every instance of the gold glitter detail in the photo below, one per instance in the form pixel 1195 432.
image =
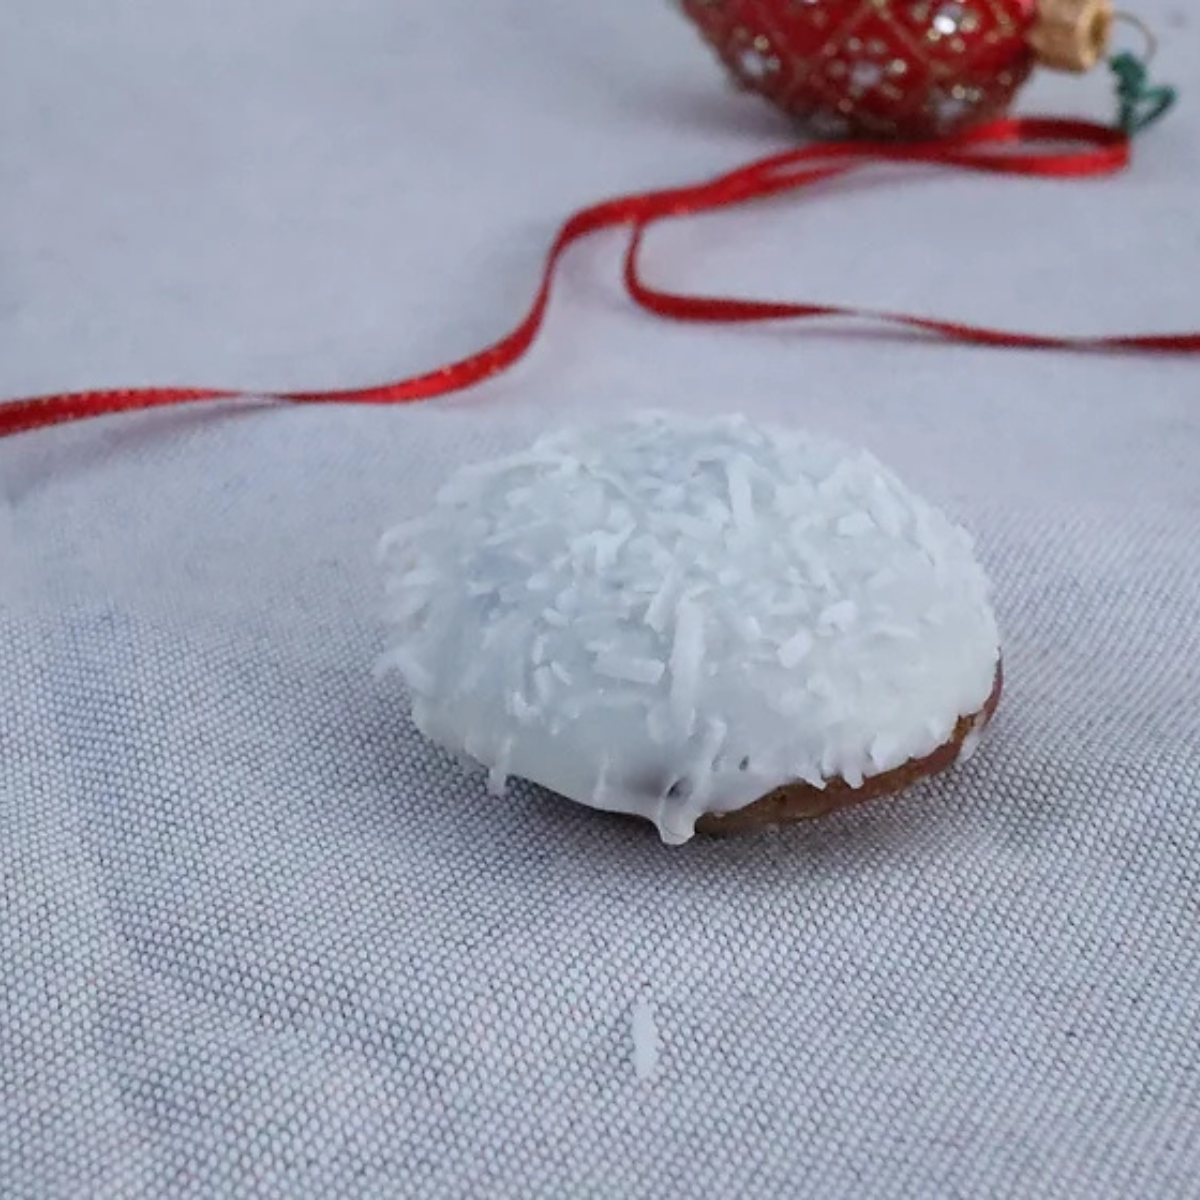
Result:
pixel 896 37
pixel 1003 20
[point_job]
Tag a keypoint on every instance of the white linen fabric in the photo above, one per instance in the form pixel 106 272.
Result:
pixel 258 938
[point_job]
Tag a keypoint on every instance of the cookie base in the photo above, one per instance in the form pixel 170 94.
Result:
pixel 802 802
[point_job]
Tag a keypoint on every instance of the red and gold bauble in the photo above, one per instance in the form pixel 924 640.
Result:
pixel 898 68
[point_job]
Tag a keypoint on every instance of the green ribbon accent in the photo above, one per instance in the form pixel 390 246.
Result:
pixel 1140 105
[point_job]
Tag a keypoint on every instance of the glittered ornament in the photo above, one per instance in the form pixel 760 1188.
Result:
pixel 898 68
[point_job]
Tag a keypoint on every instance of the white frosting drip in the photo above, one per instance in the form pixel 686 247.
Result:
pixel 669 616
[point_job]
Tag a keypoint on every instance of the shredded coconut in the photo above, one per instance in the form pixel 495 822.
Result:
pixel 687 657
pixel 644 1029
pixel 621 594
pixel 795 649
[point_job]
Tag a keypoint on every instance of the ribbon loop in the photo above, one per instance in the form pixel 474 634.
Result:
pixel 1139 105
pixel 1028 147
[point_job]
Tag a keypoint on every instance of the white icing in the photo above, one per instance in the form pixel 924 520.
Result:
pixel 668 616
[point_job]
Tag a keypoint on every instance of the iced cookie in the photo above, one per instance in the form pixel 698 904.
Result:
pixel 707 623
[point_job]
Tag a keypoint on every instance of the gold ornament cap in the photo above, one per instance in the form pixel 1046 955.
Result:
pixel 1071 35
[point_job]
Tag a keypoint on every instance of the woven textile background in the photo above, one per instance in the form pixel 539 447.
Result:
pixel 258 939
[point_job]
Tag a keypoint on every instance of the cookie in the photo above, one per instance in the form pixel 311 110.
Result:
pixel 703 622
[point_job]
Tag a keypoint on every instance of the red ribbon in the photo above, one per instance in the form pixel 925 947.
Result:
pixel 1030 147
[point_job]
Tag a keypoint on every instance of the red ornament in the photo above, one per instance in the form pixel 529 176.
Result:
pixel 897 68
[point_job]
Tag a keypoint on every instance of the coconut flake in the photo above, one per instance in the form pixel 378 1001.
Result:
pixel 418 677
pixel 398 537
pixel 497 781
pixel 741 496
pixel 886 752
pixel 695 528
pixel 856 524
pixel 524 712
pixel 888 513
pixel 665 599
pixel 615 665
pixel 543 684
pixel 970 743
pixel 795 650
pixel 687 658
pixel 409 606
pixel 839 616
